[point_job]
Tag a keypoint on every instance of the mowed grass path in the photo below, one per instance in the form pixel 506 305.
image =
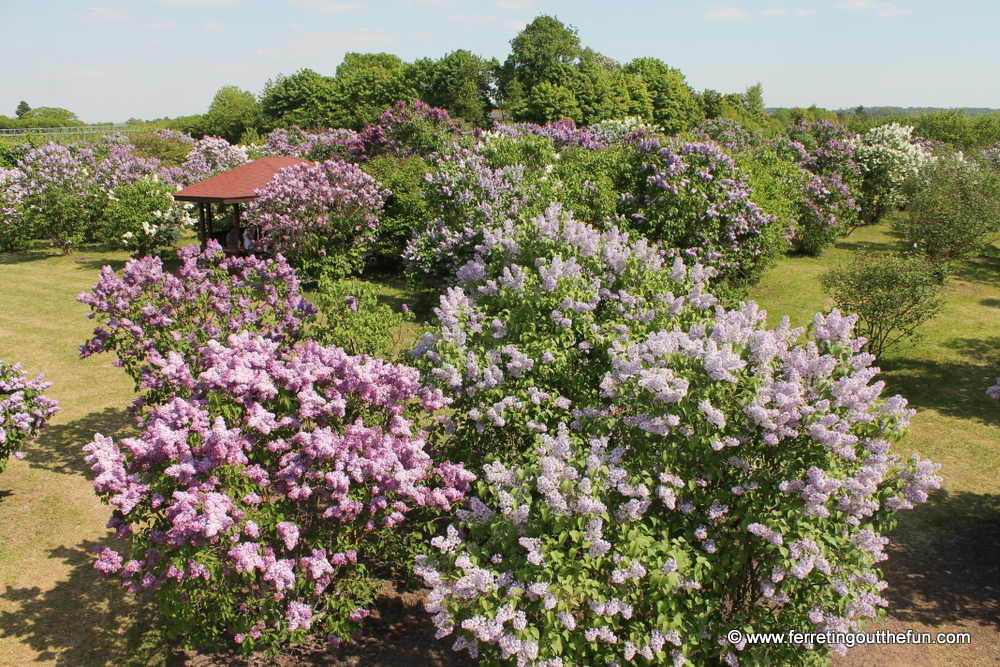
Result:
pixel 54 609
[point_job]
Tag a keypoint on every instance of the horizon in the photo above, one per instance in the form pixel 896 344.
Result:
pixel 149 59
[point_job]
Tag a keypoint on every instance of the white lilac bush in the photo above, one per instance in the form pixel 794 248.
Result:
pixel 321 216
pixel 679 470
pixel 24 409
pixel 141 216
pixel 252 499
pixel 887 156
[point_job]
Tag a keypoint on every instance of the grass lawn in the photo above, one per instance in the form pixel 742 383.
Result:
pixel 55 610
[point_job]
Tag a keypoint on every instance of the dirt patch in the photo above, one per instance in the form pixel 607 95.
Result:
pixel 399 633
pixel 947 585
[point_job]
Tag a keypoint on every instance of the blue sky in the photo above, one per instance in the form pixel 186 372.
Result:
pixel 109 60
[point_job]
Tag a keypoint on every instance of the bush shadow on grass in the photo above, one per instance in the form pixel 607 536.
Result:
pixel 956 388
pixel 23 257
pixel 870 246
pixel 96 265
pixel 983 269
pixel 82 621
pixel 943 566
pixel 59 448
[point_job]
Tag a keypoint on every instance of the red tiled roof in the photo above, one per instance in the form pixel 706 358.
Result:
pixel 239 184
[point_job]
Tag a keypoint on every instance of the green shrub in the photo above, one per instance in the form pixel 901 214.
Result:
pixel 354 319
pixel 954 210
pixel 892 296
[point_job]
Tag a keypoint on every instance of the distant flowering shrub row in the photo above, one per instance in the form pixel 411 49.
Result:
pixel 658 470
pixel 105 192
pixel 23 409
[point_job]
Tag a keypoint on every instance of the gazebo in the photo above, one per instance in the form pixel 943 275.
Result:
pixel 235 187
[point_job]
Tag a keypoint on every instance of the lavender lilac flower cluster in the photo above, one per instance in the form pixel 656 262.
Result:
pixel 321 216
pixel 252 494
pixel 158 323
pixel 24 409
pixel 678 469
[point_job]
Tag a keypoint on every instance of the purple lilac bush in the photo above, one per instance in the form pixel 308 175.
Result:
pixel 210 156
pixel 296 142
pixel 678 469
pixel 471 200
pixel 411 129
pixel 693 198
pixel 562 133
pixel 155 321
pixel 61 200
pixel 24 409
pixel 321 216
pixel 14 234
pixel 252 498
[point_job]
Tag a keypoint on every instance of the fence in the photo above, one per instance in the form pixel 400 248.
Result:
pixel 82 130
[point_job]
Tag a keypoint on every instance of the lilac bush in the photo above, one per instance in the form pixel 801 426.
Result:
pixel 693 198
pixel 155 321
pixel 659 470
pixel 322 217
pixel 61 200
pixel 14 231
pixel 210 156
pixel 828 211
pixel 122 167
pixel 471 200
pixel 141 216
pixel 24 409
pixel 296 142
pixel 252 499
pixel 888 155
pixel 562 133
pixel 411 129
pixel 526 332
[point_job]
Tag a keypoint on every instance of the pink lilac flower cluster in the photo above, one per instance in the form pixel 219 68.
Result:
pixel 319 212
pixel 252 495
pixel 24 409
pixel 407 129
pixel 157 322
pixel 674 460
